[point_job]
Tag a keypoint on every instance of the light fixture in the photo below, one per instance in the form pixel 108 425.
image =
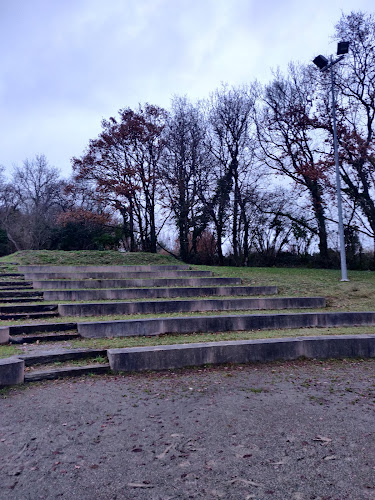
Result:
pixel 320 61
pixel 342 48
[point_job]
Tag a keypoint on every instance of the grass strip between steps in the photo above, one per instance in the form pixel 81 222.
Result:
pixel 123 317
pixel 152 299
pixel 169 339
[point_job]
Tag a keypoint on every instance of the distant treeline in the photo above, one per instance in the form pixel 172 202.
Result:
pixel 245 177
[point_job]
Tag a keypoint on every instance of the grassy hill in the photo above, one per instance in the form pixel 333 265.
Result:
pixel 85 258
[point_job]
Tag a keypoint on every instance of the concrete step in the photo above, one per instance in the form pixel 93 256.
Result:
pixel 222 323
pixel 117 275
pixel 11 371
pixel 199 305
pixel 39 328
pixel 61 355
pixel 55 373
pixel 9 288
pixel 162 282
pixel 20 293
pixel 16 300
pixel 11 275
pixel 29 333
pixel 17 283
pixel 42 332
pixel 95 269
pixel 167 357
pixel 43 337
pixel 28 315
pixel 6 289
pixel 26 308
pixel 154 293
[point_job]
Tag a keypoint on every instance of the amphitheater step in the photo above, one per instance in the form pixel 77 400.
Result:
pixel 26 308
pixel 45 337
pixel 158 282
pixel 6 289
pixel 39 328
pixel 154 293
pixel 20 293
pixel 61 355
pixel 42 332
pixel 11 275
pixel 16 300
pixel 136 359
pixel 75 269
pixel 199 305
pixel 75 371
pixel 27 315
pixel 222 323
pixel 46 365
pixel 18 283
pixel 117 275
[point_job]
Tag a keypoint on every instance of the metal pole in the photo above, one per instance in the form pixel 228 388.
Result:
pixel 344 274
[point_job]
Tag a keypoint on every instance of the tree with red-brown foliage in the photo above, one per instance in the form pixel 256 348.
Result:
pixel 122 163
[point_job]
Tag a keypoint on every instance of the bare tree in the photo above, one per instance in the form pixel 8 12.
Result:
pixel 30 202
pixel 182 167
pixel 291 146
pixel 231 145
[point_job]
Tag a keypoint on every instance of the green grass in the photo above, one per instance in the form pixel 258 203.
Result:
pixel 114 343
pixel 8 350
pixel 119 317
pixel 119 342
pixel 85 258
pixel 356 295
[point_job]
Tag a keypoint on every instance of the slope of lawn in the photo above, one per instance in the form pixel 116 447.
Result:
pixel 85 258
pixel 356 295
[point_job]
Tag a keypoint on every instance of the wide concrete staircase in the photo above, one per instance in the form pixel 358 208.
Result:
pixel 121 291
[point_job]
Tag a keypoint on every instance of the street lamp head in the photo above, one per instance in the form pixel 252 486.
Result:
pixel 342 48
pixel 320 61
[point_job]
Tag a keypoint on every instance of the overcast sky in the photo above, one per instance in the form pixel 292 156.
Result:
pixel 66 64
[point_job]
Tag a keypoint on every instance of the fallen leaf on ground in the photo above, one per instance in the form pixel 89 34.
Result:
pixel 323 440
pixel 168 448
pixel 245 482
pixel 140 485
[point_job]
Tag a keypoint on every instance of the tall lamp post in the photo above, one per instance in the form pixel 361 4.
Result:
pixel 323 64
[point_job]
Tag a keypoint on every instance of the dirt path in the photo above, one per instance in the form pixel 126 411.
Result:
pixel 299 431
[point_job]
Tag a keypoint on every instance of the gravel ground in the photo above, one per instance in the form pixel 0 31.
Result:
pixel 301 430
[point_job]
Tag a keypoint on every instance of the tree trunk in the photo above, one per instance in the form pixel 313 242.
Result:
pixel 236 200
pixel 318 207
pixel 184 241
pixel 131 226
